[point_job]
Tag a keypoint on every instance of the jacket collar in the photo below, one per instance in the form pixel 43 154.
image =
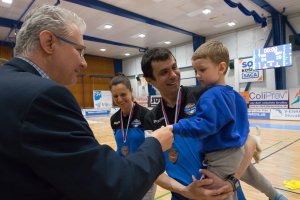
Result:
pixel 22 65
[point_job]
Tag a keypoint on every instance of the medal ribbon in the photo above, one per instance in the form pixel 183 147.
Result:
pixel 177 110
pixel 121 120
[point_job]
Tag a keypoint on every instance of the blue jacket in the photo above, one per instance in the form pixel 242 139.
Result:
pixel 221 120
pixel 48 151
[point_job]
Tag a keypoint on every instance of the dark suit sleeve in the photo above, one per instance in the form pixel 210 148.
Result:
pixel 59 146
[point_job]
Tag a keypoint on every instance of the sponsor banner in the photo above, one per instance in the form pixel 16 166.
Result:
pixel 285 114
pixel 268 99
pixel 154 100
pixel 294 98
pixel 143 101
pixel 259 113
pixel 246 96
pixel 102 99
pixel 142 87
pixel 89 112
pixel 247 73
pixel 268 104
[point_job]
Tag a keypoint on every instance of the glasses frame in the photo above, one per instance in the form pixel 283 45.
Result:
pixel 82 47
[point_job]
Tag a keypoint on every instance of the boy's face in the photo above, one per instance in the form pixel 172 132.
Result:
pixel 209 73
pixel 166 76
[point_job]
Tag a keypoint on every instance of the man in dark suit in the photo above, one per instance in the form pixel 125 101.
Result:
pixel 47 149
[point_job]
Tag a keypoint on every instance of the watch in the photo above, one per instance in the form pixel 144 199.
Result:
pixel 235 183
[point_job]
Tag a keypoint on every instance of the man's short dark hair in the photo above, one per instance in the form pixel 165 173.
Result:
pixel 155 54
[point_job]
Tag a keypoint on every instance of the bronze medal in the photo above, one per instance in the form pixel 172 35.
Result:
pixel 125 150
pixel 173 155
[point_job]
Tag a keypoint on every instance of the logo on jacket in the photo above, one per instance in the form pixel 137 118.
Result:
pixel 136 123
pixel 156 121
pixel 190 109
pixel 116 123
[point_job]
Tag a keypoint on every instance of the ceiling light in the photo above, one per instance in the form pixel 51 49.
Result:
pixel 231 24
pixel 127 54
pixel 7 1
pixel 102 49
pixel 107 26
pixel 206 11
pixel 167 42
pixel 141 35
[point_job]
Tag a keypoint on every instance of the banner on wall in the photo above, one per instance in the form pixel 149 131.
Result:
pixel 268 99
pixel 294 98
pixel 245 95
pixel 259 113
pixel 143 101
pixel 247 73
pixel 102 99
pixel 285 114
pixel 142 87
pixel 154 100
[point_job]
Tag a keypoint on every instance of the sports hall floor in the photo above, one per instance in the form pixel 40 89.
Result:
pixel 280 157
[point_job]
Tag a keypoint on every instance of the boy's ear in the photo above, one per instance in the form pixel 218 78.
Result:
pixel 223 67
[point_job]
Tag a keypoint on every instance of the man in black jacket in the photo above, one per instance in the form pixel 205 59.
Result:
pixel 47 149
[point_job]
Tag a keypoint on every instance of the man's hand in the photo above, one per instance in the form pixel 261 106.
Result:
pixel 217 182
pixel 197 190
pixel 165 136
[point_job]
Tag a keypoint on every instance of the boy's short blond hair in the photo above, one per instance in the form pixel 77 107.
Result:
pixel 214 50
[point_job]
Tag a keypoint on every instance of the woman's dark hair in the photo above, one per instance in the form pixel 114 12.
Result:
pixel 120 78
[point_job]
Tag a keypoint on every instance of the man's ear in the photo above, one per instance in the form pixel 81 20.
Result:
pixel 47 41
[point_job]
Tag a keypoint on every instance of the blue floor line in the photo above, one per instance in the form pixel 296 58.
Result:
pixel 276 126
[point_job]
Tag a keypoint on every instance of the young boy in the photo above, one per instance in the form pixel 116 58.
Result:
pixel 221 120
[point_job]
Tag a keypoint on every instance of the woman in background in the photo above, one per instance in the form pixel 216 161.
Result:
pixel 127 122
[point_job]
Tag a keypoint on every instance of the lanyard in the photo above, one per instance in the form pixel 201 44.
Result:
pixel 122 127
pixel 177 110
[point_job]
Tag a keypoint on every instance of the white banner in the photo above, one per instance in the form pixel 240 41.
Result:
pixel 285 114
pixel 154 100
pixel 268 99
pixel 142 87
pixel 143 101
pixel 294 98
pixel 247 73
pixel 102 99
pixel 259 113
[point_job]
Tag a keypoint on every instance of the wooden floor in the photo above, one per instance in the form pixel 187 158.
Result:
pixel 280 156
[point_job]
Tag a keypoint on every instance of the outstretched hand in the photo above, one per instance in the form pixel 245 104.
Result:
pixel 165 136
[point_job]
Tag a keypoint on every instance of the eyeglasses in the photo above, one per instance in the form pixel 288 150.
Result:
pixel 80 48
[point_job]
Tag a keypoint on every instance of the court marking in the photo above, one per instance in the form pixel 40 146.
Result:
pixel 286 190
pixel 276 126
pixel 94 122
pixel 280 149
pixel 279 188
pixel 272 146
pixel 161 196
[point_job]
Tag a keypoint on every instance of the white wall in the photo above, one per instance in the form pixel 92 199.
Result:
pixel 293 73
pixel 240 44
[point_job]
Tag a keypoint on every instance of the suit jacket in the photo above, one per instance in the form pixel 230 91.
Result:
pixel 48 151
